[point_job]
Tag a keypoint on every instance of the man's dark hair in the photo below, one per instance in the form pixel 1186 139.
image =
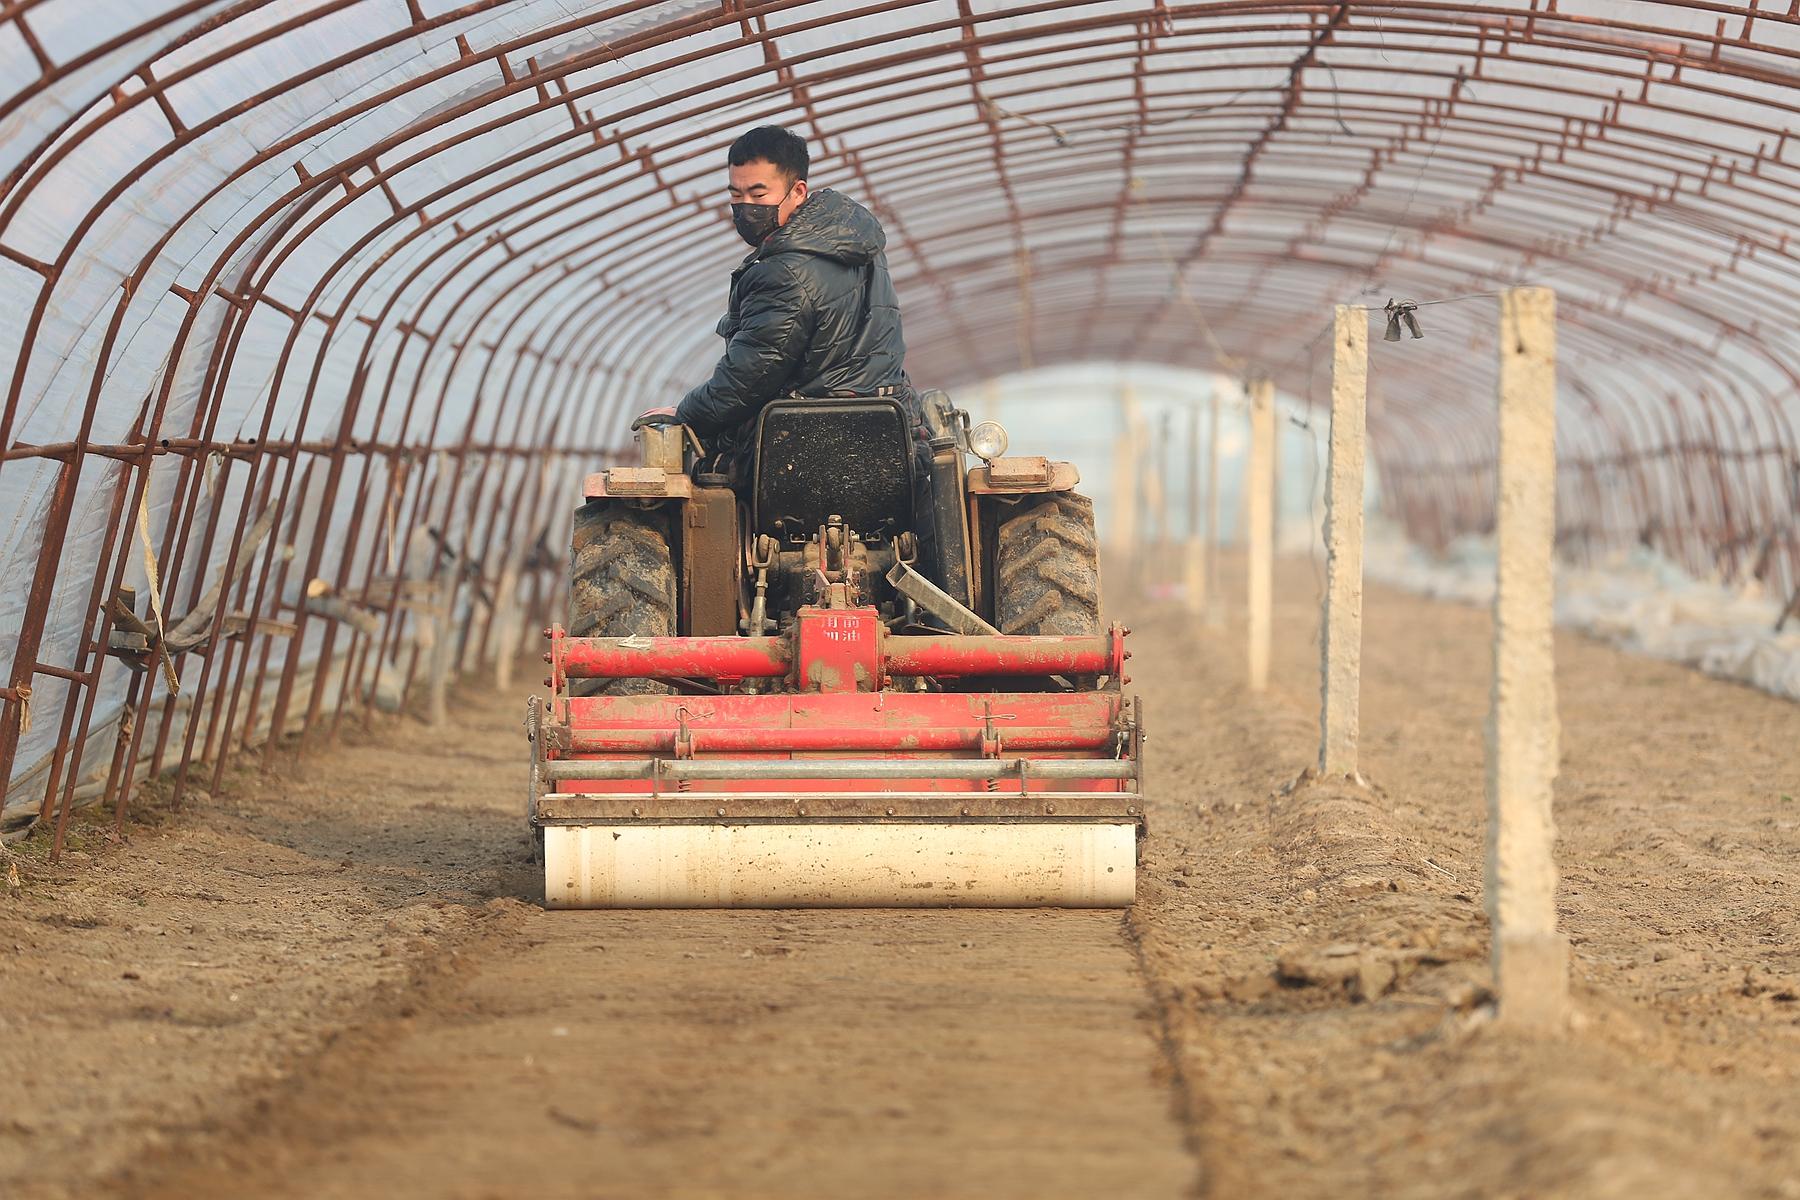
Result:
pixel 772 144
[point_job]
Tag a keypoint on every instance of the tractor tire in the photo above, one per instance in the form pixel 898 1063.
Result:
pixel 621 584
pixel 1047 569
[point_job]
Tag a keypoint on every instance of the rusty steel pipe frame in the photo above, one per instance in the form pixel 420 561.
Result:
pixel 617 396
pixel 63 508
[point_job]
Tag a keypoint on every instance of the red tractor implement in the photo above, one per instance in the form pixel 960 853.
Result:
pixel 763 702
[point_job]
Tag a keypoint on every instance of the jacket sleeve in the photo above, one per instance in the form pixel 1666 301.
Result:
pixel 774 325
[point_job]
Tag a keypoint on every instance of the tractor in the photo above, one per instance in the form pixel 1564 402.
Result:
pixel 764 698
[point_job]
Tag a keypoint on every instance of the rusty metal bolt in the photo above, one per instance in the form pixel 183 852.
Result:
pixel 547 631
pixel 1127 655
pixel 1124 679
pixel 547 657
pixel 549 682
pixel 1125 630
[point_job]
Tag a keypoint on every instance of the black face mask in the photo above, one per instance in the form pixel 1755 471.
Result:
pixel 755 222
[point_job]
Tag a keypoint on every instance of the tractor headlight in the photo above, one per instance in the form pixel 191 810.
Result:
pixel 988 440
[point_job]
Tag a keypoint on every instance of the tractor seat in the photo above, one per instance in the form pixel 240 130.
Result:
pixel 851 456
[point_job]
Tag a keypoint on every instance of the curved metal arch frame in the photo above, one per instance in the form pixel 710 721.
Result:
pixel 1705 469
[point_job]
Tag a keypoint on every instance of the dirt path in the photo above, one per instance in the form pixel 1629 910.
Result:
pixel 326 983
pixel 746 1054
pixel 149 993
pixel 327 988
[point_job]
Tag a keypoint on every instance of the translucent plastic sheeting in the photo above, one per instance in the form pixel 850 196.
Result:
pixel 1637 600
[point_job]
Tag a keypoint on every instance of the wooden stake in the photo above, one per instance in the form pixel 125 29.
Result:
pixel 1531 971
pixel 1341 645
pixel 1259 509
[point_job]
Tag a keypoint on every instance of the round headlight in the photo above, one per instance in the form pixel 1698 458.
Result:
pixel 988 440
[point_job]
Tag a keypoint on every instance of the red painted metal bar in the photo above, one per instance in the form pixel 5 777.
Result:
pixel 876 739
pixel 952 655
pixel 675 658
pixel 761 657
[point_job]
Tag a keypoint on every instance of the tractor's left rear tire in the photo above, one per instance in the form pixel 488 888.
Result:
pixel 621 584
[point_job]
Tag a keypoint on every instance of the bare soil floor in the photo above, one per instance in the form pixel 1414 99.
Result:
pixel 330 982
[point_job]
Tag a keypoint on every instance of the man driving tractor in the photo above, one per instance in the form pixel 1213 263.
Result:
pixel 812 312
pixel 751 617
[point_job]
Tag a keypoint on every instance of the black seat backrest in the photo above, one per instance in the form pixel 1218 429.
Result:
pixel 816 457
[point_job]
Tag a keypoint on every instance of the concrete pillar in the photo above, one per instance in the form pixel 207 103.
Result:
pixel 1278 423
pixel 1259 510
pixel 1531 970
pixel 1193 574
pixel 1127 477
pixel 1212 500
pixel 1155 460
pixel 1341 643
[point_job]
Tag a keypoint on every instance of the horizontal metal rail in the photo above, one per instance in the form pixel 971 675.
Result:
pixel 761 657
pixel 567 769
pixel 645 807
pixel 838 738
pixel 675 657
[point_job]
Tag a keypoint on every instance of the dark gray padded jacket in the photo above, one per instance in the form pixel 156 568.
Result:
pixel 812 312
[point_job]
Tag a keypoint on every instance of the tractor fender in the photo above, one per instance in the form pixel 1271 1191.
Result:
pixel 1023 476
pixel 637 483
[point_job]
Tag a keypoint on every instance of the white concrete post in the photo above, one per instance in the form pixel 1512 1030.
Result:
pixel 1531 969
pixel 1156 504
pixel 1212 498
pixel 1276 424
pixel 1193 575
pixel 1341 645
pixel 1125 489
pixel 1259 509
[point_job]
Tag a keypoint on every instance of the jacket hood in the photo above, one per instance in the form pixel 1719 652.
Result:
pixel 831 225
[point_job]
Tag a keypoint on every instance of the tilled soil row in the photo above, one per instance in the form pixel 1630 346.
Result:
pixel 155 993
pixel 331 982
pixel 1318 952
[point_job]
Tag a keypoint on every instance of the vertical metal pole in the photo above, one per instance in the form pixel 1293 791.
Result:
pixel 37 609
pixel 1259 510
pixel 1531 972
pixel 1341 645
pixel 1193 589
pixel 1212 498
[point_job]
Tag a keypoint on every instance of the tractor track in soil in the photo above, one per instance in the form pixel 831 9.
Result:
pixel 325 982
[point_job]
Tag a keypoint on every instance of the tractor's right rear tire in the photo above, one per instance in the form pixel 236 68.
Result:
pixel 1047 569
pixel 621 584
